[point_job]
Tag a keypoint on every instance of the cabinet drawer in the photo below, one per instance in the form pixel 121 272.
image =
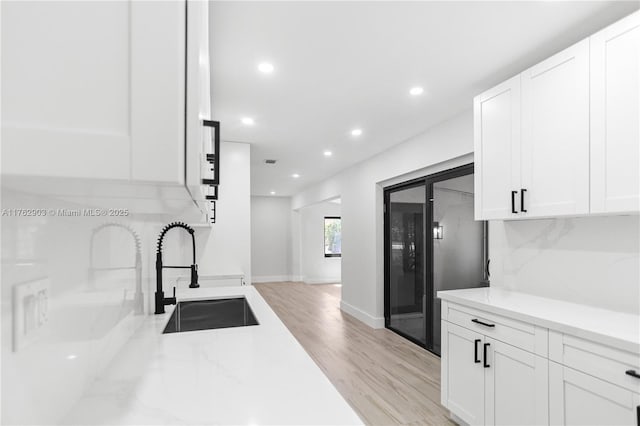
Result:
pixel 519 334
pixel 598 360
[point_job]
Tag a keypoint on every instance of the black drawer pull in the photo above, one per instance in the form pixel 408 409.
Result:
pixel 632 373
pixel 475 351
pixel 477 321
pixel 522 209
pixel 486 364
pixel 513 201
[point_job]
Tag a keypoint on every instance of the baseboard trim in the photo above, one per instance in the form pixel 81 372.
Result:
pixel 270 278
pixel 361 315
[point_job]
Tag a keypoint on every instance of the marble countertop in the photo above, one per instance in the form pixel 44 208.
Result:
pixel 618 329
pixel 255 375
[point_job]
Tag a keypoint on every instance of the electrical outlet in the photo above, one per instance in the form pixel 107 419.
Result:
pixel 30 311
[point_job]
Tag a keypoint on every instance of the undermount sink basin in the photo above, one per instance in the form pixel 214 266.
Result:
pixel 210 314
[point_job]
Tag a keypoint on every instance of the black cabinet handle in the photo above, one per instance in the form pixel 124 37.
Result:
pixel 477 321
pixel 513 201
pixel 632 373
pixel 522 209
pixel 211 123
pixel 638 415
pixel 484 352
pixel 475 351
pixel 214 157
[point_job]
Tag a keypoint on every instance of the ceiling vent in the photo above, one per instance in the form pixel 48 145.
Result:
pixel 270 161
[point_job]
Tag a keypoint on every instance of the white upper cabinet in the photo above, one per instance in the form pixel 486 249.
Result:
pixel 555 135
pixel 199 136
pixel 158 91
pixel 497 149
pixel 615 108
pixel 93 89
pixel 564 135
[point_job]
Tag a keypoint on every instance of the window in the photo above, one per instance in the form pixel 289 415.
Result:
pixel 332 236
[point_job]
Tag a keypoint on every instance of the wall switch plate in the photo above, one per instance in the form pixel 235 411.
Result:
pixel 30 311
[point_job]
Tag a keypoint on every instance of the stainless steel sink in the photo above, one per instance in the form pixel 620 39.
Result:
pixel 210 314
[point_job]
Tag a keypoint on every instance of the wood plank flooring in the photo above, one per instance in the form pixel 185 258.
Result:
pixel 385 378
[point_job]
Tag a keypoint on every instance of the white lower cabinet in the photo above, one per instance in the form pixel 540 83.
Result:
pixel 516 386
pixel 491 375
pixel 463 386
pixel 577 398
pixel 485 381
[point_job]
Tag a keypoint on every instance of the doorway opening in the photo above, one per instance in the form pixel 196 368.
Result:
pixel 431 243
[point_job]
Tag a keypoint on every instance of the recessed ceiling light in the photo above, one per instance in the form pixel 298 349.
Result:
pixel 328 153
pixel 248 121
pixel 356 132
pixel 416 91
pixel 295 176
pixel 265 67
pixel 273 193
pixel 71 356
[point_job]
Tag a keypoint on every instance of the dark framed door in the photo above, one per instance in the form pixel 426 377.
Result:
pixel 432 243
pixel 405 224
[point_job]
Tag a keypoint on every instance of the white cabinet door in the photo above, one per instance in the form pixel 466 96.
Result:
pixel 576 398
pixel 199 137
pixel 516 386
pixel 555 135
pixel 497 150
pixel 462 373
pixel 615 112
pixel 93 89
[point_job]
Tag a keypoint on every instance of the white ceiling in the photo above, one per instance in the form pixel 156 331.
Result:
pixel 342 65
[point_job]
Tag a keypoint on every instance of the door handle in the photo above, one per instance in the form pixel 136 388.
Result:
pixel 477 321
pixel 475 351
pixel 513 201
pixel 632 373
pixel 522 209
pixel 484 352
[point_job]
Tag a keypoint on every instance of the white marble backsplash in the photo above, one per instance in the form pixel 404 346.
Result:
pixel 589 260
pixel 99 281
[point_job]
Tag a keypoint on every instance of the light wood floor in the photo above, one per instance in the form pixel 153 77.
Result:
pixel 385 378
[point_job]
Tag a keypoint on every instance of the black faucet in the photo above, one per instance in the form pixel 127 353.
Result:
pixel 161 301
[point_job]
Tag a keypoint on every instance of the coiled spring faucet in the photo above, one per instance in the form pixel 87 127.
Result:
pixel 162 301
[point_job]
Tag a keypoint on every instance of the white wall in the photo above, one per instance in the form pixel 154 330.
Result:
pixel 271 239
pixel 446 145
pixel 590 260
pixel 92 312
pixel 226 247
pixel 314 267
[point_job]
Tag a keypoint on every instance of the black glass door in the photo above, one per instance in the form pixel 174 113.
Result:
pixel 406 210
pixel 432 243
